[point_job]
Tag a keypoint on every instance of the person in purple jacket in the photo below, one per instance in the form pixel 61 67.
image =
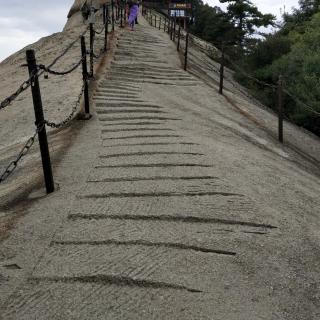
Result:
pixel 133 14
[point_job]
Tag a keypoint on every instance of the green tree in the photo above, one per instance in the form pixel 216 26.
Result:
pixel 212 24
pixel 246 18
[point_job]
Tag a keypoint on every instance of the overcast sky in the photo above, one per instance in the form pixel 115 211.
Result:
pixel 25 21
pixel 266 6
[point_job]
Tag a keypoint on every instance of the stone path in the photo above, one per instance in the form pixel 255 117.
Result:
pixel 156 233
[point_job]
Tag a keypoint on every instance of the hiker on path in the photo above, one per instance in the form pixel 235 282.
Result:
pixel 133 14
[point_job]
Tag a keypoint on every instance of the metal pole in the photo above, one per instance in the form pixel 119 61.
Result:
pixel 38 111
pixel 91 48
pixel 221 70
pixel 117 11
pixel 85 76
pixel 104 14
pixel 171 28
pixel 160 23
pixel 121 16
pixel 174 27
pixel 179 36
pixel 186 52
pixel 280 108
pixel 155 21
pixel 112 14
pixel 106 30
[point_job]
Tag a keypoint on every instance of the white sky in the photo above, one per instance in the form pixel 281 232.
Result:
pixel 265 6
pixel 25 21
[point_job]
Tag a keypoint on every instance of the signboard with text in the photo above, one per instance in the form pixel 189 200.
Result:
pixel 178 13
pixel 182 6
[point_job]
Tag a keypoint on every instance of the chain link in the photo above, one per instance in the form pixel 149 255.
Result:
pixel 97 56
pixel 24 86
pixel 24 151
pixel 65 51
pixel 304 105
pixel 62 73
pixel 70 116
pixel 99 32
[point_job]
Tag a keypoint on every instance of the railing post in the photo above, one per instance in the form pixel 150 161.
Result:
pixel 155 21
pixel 38 111
pixel 186 51
pixel 164 25
pixel 104 14
pixel 117 11
pixel 174 28
pixel 221 70
pixel 91 48
pixel 85 76
pixel 112 14
pixel 106 29
pixel 121 16
pixel 179 36
pixel 160 23
pixel 280 108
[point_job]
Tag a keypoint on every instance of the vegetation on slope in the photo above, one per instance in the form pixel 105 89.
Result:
pixel 293 51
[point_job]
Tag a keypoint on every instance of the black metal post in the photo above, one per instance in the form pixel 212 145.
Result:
pixel 91 49
pixel 104 14
pixel 171 28
pixel 106 29
pixel 221 70
pixel 38 111
pixel 186 52
pixel 117 11
pixel 174 27
pixel 280 108
pixel 121 17
pixel 155 21
pixel 179 36
pixel 160 23
pixel 85 76
pixel 112 14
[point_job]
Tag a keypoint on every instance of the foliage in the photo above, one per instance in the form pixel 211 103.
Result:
pixel 293 51
pixel 296 56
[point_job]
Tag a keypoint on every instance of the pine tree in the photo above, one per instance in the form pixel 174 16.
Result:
pixel 246 18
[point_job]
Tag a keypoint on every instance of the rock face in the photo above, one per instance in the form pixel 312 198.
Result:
pixel 79 3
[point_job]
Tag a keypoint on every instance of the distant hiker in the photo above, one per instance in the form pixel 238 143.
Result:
pixel 133 14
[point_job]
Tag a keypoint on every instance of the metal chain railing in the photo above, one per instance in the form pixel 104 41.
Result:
pixel 298 101
pixel 61 73
pixel 24 151
pixel 35 72
pixel 70 116
pixel 23 87
pixel 26 84
pixel 99 32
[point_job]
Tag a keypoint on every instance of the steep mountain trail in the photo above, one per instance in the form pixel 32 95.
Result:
pixel 172 205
